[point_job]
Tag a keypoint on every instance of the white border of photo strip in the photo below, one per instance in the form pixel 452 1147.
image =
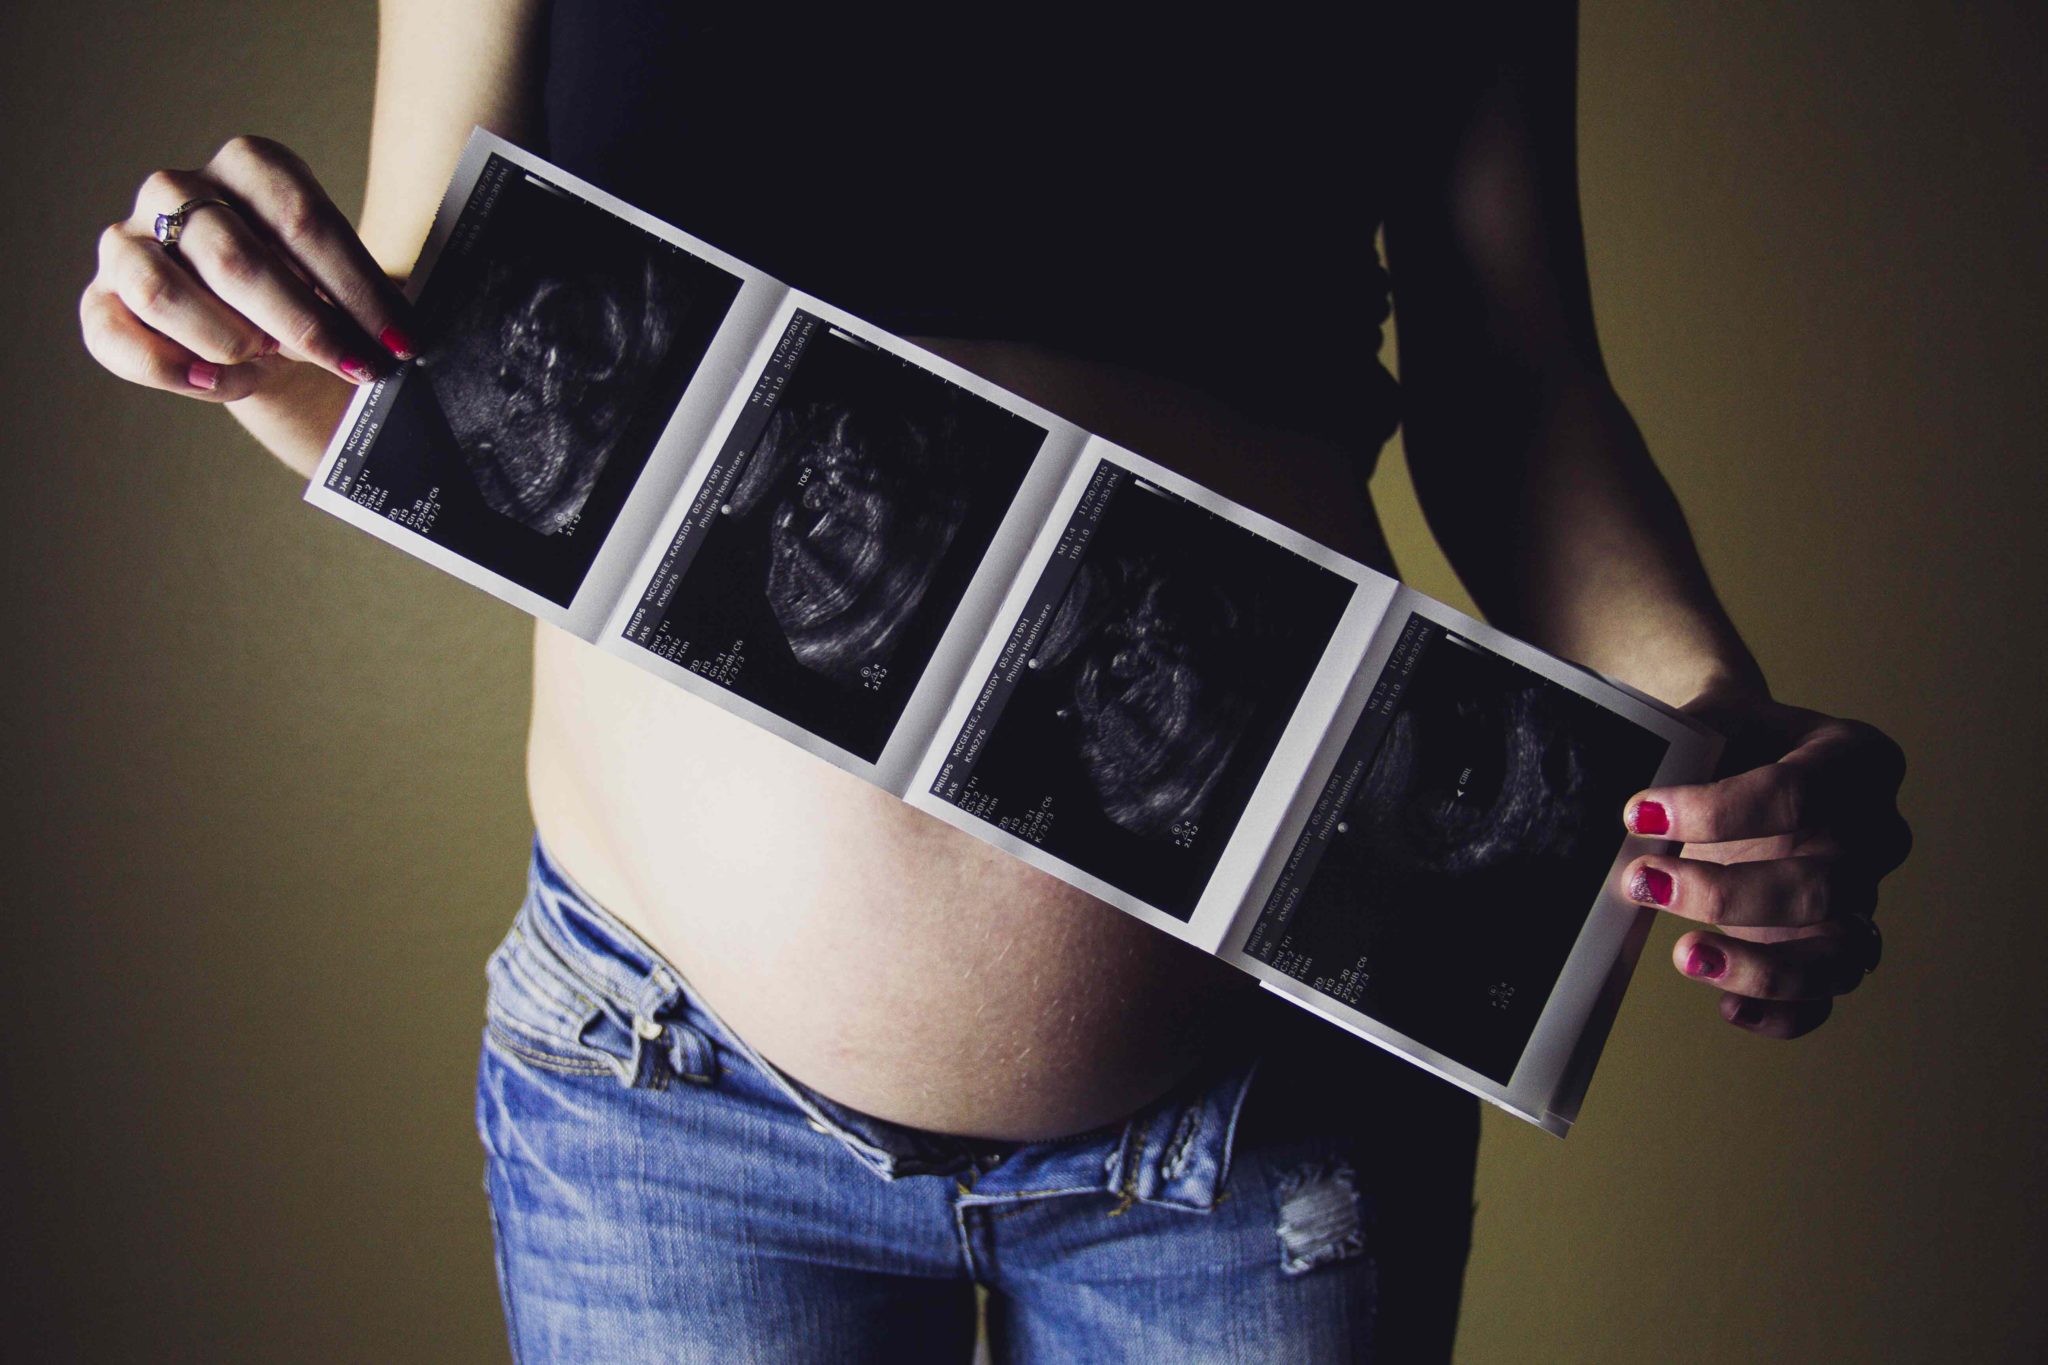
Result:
pixel 1548 1083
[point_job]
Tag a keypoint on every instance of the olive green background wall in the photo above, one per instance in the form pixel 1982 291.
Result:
pixel 263 799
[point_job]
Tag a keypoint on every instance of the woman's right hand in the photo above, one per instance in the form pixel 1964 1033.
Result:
pixel 279 279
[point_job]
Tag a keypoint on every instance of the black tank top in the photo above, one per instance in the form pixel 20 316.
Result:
pixel 1195 200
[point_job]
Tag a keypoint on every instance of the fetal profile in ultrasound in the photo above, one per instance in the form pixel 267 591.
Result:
pixel 1458 875
pixel 543 370
pixel 858 512
pixel 559 340
pixel 1158 679
pixel 1151 703
pixel 854 547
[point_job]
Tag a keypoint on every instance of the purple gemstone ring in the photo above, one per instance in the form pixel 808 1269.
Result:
pixel 170 225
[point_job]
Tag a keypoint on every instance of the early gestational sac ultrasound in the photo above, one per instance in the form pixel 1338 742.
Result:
pixel 542 373
pixel 1173 652
pixel 837 532
pixel 1461 842
pixel 559 340
pixel 1464 783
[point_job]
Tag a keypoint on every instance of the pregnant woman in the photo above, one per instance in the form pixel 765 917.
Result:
pixel 779 1069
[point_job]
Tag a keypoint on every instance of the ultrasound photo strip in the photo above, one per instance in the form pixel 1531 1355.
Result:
pixel 1388 813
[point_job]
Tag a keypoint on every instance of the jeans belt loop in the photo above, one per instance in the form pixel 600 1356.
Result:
pixel 686 1050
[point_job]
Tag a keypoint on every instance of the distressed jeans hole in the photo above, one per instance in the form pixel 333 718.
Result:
pixel 1320 1221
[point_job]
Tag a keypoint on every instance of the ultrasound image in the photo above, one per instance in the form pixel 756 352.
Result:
pixel 1443 894
pixel 854 548
pixel 1173 654
pixel 849 517
pixel 559 340
pixel 541 374
pixel 1154 675
pixel 1465 783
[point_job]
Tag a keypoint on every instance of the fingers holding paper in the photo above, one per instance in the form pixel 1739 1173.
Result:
pixel 1782 857
pixel 1794 932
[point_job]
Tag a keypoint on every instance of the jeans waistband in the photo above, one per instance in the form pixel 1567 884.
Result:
pixel 1175 1151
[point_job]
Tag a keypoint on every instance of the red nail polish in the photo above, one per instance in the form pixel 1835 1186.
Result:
pixel 1706 960
pixel 1650 885
pixel 356 370
pixel 1649 817
pixel 203 375
pixel 398 343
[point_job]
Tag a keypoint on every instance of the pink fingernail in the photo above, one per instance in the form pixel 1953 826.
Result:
pixel 1706 960
pixel 398 343
pixel 203 375
pixel 1650 886
pixel 356 370
pixel 1649 817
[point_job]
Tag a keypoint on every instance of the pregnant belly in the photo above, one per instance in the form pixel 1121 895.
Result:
pixel 888 960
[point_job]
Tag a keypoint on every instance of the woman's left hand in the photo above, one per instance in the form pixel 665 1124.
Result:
pixel 1782 857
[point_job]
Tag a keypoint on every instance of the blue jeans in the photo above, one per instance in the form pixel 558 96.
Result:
pixel 660 1192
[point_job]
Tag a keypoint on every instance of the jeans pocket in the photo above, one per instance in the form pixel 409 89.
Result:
pixel 541 1012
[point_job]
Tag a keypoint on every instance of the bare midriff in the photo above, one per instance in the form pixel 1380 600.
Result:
pixel 881 957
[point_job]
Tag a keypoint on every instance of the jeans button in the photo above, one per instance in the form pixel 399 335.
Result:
pixel 646 1028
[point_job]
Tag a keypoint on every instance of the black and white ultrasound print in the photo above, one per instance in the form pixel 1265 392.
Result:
pixel 1147 683
pixel 1457 849
pixel 559 340
pixel 836 535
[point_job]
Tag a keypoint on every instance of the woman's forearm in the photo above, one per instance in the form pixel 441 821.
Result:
pixel 1566 534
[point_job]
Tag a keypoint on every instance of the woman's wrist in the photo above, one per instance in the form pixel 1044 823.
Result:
pixel 293 413
pixel 1677 649
pixel 1687 680
pixel 1726 691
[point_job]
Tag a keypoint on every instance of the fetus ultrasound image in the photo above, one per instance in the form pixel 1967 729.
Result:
pixel 1460 843
pixel 836 535
pixel 559 340
pixel 1172 654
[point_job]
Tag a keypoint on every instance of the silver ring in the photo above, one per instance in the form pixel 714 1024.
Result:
pixel 170 226
pixel 1873 940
